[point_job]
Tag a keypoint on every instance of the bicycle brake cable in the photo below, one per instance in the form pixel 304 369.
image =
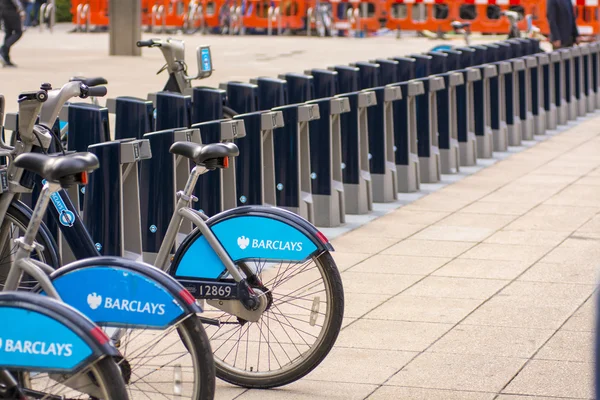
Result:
pixel 163 68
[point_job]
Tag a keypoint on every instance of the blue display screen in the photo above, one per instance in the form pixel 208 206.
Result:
pixel 206 61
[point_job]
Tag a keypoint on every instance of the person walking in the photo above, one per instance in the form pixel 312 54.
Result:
pixel 563 27
pixel 12 15
pixel 28 5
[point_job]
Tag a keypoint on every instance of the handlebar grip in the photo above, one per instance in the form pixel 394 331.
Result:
pixel 97 91
pixel 145 43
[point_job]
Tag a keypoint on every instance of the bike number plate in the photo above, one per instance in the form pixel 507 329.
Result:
pixel 211 290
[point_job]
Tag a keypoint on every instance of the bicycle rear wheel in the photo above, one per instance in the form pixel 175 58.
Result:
pixel 294 334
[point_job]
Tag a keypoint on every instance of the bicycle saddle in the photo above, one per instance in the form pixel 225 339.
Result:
pixel 205 154
pixel 91 82
pixel 65 170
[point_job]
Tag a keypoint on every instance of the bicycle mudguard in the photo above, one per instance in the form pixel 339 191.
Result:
pixel 118 292
pixel 249 233
pixel 42 334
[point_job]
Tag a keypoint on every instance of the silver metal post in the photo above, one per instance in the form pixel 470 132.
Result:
pixel 161 261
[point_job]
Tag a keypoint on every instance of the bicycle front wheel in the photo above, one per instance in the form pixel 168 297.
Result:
pixel 305 308
pixel 102 380
pixel 175 363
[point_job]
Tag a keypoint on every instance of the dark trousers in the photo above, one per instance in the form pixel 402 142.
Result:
pixel 12 29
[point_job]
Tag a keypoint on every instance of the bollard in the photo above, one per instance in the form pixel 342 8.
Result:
pixel 325 145
pixel 513 117
pixel 207 104
pixel 481 96
pixel 570 88
pixel 326 162
pixel 356 176
pixel 88 125
pixel 501 53
pixel 292 159
pixel 348 77
pixel 562 84
pixel 358 193
pixel 241 97
pixel 216 191
pixel 586 56
pixel 381 133
pixel 525 96
pixel 537 94
pixel 580 95
pixel 498 106
pixel 272 92
pixel 465 114
pixel 300 88
pixel 255 166
pixel 550 92
pixel 405 127
pixel 446 111
pixel 133 117
pixel 173 110
pixel 325 82
pixel 112 202
pixel 595 65
pixel 427 121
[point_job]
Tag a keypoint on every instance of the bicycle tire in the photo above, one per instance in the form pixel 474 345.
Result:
pixel 261 380
pixel 106 375
pixel 193 328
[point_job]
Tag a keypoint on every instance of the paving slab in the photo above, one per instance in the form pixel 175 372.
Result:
pixel 395 392
pixel 554 378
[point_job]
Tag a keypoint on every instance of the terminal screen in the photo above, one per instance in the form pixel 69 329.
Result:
pixel 206 61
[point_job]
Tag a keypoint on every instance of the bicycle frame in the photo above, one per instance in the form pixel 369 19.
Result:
pixel 23 263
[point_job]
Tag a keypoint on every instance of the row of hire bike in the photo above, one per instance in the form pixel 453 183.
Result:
pixel 112 328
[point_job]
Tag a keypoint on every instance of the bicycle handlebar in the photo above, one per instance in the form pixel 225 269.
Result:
pixel 148 43
pixel 96 91
pixel 57 98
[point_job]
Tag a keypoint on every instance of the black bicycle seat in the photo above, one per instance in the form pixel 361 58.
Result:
pixel 203 154
pixel 91 82
pixel 65 170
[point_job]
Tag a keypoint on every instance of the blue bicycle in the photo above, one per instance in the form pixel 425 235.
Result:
pixel 271 292
pixel 147 314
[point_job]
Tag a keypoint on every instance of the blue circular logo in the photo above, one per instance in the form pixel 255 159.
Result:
pixel 83 189
pixel 280 186
pixel 243 199
pixel 313 175
pixel 98 246
pixel 67 218
pixel 153 228
pixel 343 166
